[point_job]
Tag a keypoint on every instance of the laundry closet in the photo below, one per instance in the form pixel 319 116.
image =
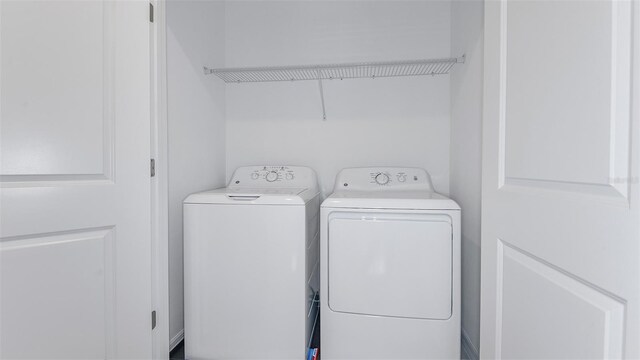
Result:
pixel 430 119
pixel 514 122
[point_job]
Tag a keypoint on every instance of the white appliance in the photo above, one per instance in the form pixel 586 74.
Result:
pixel 251 258
pixel 390 260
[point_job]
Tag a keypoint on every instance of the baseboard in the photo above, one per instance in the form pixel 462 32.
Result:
pixel 176 340
pixel 469 349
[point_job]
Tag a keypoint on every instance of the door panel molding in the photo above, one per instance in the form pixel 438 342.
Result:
pixel 616 187
pixel 595 302
pixel 107 175
pixel 75 268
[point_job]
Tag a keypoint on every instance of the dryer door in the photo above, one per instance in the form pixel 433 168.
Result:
pixel 390 264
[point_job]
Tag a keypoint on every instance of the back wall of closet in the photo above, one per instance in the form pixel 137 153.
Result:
pixel 386 121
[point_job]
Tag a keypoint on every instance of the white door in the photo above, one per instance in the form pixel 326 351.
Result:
pixel 560 217
pixel 74 175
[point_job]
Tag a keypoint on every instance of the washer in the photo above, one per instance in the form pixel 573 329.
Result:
pixel 251 259
pixel 390 267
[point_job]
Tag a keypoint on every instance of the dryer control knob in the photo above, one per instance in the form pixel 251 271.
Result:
pixel 289 176
pixel 255 176
pixel 272 176
pixel 382 179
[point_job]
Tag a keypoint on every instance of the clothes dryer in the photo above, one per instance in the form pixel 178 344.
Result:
pixel 390 267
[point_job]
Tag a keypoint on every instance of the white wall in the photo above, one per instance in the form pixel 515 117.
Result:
pixel 196 131
pixel 401 121
pixel 466 145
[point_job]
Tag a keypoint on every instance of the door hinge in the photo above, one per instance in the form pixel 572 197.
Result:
pixel 150 12
pixel 153 167
pixel 153 319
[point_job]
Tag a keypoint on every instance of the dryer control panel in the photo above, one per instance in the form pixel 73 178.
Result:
pixel 278 176
pixel 383 178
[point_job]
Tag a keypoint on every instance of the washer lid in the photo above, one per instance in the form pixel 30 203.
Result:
pixel 260 192
pixel 251 196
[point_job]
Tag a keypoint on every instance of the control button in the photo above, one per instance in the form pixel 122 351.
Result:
pixel 382 179
pixel 289 176
pixel 255 176
pixel 271 176
pixel 402 177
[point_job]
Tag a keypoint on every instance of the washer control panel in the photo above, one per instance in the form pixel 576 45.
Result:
pixel 273 176
pixel 383 178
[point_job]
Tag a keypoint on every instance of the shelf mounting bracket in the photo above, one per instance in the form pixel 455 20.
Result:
pixel 324 111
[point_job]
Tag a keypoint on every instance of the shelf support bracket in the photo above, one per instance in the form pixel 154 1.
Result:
pixel 324 111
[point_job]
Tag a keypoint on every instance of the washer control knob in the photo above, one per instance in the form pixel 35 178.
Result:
pixel 254 176
pixel 402 177
pixel 272 176
pixel 289 176
pixel 382 179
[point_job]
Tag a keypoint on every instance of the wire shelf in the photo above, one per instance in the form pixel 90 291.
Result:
pixel 336 71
